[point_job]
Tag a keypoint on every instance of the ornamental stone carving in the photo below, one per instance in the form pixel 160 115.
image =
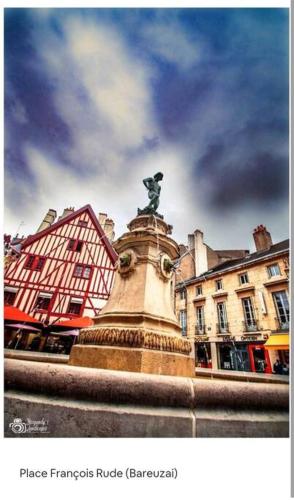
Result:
pixel 165 266
pixel 125 337
pixel 126 262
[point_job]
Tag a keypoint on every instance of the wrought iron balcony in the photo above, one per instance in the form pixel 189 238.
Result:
pixel 282 325
pixel 199 329
pixel 222 328
pixel 250 325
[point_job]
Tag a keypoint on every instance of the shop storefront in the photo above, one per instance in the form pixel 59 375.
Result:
pixel 259 358
pixel 20 329
pixel 242 356
pixel 63 335
pixel 277 347
pixel 19 336
pixel 203 355
pixel 60 342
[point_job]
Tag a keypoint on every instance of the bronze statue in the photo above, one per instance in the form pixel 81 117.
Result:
pixel 151 183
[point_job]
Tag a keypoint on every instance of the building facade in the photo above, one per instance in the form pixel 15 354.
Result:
pixel 237 312
pixel 65 270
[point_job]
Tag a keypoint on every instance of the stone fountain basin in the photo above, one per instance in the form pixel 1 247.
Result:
pixel 90 402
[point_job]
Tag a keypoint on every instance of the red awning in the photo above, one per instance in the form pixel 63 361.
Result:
pixel 21 326
pixel 12 313
pixel 81 322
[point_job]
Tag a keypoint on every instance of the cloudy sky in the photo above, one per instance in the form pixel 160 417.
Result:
pixel 98 99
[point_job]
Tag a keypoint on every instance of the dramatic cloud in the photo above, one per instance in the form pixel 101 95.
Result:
pixel 97 99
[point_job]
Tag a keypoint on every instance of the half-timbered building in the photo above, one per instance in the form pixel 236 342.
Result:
pixel 63 271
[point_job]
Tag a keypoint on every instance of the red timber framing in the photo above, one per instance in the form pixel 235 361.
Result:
pixel 56 276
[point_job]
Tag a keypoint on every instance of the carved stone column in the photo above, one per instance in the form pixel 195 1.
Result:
pixel 137 330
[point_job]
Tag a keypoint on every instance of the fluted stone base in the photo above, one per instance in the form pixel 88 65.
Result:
pixel 132 360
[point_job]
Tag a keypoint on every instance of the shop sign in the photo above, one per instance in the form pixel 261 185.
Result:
pixel 249 337
pixel 228 338
pixel 201 339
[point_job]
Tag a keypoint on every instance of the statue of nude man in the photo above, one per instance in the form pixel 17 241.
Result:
pixel 151 183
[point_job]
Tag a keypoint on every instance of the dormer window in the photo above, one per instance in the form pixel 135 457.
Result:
pixel 219 285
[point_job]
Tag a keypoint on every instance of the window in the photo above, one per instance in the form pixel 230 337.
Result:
pixel 78 271
pixel 282 307
pixel 199 319
pixel 29 262
pixel 40 264
pixel 34 263
pixel 87 272
pixel 274 270
pixel 183 322
pixel 79 246
pixel 43 302
pixel 199 290
pixel 75 306
pixel 183 293
pixel 75 245
pixel 9 297
pixel 243 278
pixel 82 271
pixel 219 285
pixel 222 317
pixel 71 244
pixel 250 322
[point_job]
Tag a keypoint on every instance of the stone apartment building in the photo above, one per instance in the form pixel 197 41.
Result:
pixel 234 304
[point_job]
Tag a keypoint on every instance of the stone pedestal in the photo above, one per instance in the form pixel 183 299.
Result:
pixel 137 330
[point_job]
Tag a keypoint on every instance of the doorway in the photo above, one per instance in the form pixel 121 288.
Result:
pixel 259 359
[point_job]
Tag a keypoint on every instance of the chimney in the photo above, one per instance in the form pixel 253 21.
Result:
pixel 201 263
pixel 262 238
pixel 7 238
pixel 66 212
pixel 191 241
pixel 48 220
pixel 102 218
pixel 109 229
